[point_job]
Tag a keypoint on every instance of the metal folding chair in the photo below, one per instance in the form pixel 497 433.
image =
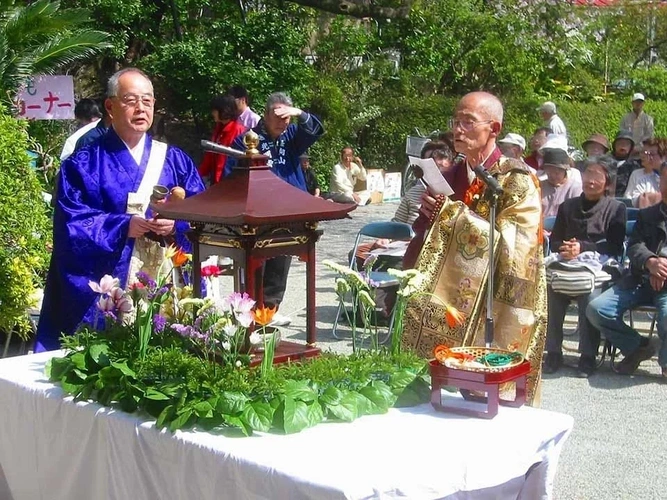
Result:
pixel 396 231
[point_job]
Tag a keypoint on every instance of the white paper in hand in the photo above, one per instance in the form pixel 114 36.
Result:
pixel 435 182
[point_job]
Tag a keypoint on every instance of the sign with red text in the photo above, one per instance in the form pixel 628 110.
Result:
pixel 47 97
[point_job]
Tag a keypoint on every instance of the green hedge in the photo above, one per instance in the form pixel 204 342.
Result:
pixel 24 226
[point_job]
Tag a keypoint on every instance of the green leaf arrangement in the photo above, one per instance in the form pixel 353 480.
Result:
pixel 182 391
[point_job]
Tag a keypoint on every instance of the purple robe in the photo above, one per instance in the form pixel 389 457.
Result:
pixel 90 228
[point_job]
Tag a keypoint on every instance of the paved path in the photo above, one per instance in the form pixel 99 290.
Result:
pixel 618 449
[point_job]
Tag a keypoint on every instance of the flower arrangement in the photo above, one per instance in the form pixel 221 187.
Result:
pixel 360 289
pixel 191 362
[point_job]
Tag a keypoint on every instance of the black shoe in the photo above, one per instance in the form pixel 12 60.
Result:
pixel 586 367
pixel 552 362
pixel 631 362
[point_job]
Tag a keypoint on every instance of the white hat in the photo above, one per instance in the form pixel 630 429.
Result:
pixel 515 139
pixel 555 141
pixel 549 107
pixel 638 97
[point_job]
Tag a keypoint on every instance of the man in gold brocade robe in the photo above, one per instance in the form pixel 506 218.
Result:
pixel 452 242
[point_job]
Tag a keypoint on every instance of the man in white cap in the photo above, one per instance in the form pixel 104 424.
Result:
pixel 551 119
pixel 637 122
pixel 512 146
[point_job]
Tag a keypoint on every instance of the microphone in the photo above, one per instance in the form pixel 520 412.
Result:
pixel 483 175
pixel 223 150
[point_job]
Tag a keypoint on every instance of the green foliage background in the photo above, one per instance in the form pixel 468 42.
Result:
pixel 24 225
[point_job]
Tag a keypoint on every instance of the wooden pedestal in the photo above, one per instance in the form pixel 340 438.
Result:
pixel 467 381
pixel 288 351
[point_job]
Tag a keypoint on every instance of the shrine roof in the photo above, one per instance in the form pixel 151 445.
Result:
pixel 253 196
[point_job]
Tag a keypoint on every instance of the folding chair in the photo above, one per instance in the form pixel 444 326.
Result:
pixel 631 214
pixel 397 231
pixel 548 225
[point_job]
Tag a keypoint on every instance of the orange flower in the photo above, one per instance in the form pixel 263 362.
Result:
pixel 264 315
pixel 473 192
pixel 180 258
pixel 454 317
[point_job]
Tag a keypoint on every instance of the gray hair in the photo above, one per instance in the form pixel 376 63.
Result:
pixel 278 98
pixel 112 85
pixel 606 162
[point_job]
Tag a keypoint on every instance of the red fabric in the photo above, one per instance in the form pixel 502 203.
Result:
pixel 459 182
pixel 532 161
pixel 213 164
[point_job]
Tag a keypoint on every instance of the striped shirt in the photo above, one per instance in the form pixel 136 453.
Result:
pixel 408 210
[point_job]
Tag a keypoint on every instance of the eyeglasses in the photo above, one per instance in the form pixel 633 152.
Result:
pixel 650 154
pixel 466 124
pixel 132 100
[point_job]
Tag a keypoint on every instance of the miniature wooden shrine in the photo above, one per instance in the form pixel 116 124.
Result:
pixel 251 216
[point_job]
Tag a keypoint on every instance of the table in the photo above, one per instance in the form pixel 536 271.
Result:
pixel 52 448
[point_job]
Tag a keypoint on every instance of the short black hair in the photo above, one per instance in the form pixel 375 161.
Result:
pixel 238 92
pixel 226 107
pixel 439 149
pixel 607 163
pixel 87 109
pixel 539 130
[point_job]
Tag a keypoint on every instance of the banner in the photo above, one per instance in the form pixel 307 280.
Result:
pixel 47 97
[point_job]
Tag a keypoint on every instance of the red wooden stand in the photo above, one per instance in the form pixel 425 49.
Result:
pixel 288 351
pixel 489 383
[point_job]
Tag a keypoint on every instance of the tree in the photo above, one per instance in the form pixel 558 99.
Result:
pixel 41 37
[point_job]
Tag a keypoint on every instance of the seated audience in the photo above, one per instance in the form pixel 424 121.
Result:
pixel 512 146
pixel 644 185
pixel 225 113
pixel 621 149
pixel 592 222
pixel 559 185
pixel 345 175
pixel 644 285
pixel 539 137
pixel 312 185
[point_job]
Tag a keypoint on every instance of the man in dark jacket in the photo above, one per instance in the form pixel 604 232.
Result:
pixel 645 285
pixel 283 142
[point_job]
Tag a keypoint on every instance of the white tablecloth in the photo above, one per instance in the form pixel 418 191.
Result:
pixel 52 448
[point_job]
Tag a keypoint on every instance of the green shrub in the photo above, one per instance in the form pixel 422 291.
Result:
pixel 24 227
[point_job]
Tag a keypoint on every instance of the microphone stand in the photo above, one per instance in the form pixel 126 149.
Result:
pixel 489 325
pixel 494 191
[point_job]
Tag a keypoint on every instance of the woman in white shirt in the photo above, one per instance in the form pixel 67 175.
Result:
pixel 644 185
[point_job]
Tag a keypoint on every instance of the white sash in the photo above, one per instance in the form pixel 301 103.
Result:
pixel 147 255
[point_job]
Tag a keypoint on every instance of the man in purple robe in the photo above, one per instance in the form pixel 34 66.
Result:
pixel 101 208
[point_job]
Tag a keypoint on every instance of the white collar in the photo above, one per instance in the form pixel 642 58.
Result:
pixel 137 151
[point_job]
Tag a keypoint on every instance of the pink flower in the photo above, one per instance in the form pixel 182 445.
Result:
pixel 117 293
pixel 105 304
pixel 241 303
pixel 124 305
pixel 210 271
pixel 106 284
pixel 245 319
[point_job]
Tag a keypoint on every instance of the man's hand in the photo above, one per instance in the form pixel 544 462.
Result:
pixel 570 249
pixel 138 227
pixel 429 205
pixel 283 111
pixel 657 266
pixel 356 198
pixel 162 227
pixel 648 199
pixel 656 283
pixel 357 160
